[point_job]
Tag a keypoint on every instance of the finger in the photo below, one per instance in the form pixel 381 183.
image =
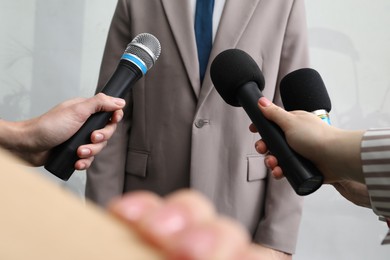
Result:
pixel 277 172
pixel 117 116
pixel 89 150
pixel 101 102
pixel 261 147
pixel 133 207
pixel 199 207
pixel 158 221
pixel 182 210
pixel 274 112
pixel 107 103
pixel 253 128
pixel 103 134
pixel 99 141
pixel 270 161
pixel 194 231
pixel 221 238
pixel 83 164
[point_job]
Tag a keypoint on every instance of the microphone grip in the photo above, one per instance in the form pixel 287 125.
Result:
pixel 63 157
pixel 302 175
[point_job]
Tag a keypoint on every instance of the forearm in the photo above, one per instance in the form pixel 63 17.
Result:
pixel 11 135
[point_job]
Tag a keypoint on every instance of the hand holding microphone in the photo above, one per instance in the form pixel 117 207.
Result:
pixel 334 151
pixel 139 56
pixel 239 81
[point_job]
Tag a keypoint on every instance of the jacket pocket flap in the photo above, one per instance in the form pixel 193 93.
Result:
pixel 136 163
pixel 256 168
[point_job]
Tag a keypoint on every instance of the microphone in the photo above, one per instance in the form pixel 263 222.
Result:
pixel 140 55
pixel 239 81
pixel 304 89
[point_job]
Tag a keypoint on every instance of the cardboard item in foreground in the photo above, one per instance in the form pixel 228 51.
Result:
pixel 40 221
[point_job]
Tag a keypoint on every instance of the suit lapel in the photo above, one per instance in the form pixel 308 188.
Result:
pixel 180 19
pixel 235 17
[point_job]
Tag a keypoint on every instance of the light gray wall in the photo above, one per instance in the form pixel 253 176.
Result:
pixel 349 45
pixel 50 50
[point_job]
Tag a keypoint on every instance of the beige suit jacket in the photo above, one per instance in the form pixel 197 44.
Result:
pixel 177 133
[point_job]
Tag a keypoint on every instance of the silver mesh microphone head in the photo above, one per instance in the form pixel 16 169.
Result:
pixel 146 47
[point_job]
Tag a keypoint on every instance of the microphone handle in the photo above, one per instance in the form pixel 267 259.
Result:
pixel 302 175
pixel 63 157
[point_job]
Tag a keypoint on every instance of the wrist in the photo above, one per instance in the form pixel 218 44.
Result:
pixel 346 155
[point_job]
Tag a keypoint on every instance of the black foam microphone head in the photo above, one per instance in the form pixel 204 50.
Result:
pixel 230 70
pixel 304 89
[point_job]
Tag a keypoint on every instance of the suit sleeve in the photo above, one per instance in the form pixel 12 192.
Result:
pixel 279 227
pixel 105 177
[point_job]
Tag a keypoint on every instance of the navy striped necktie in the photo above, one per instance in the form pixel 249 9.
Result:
pixel 204 32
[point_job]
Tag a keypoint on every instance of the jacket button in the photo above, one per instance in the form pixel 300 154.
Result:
pixel 201 123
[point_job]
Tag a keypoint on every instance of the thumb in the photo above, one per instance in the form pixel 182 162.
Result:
pixel 102 102
pixel 273 112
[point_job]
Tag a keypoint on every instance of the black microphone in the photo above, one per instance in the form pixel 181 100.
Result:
pixel 239 81
pixel 139 56
pixel 304 89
